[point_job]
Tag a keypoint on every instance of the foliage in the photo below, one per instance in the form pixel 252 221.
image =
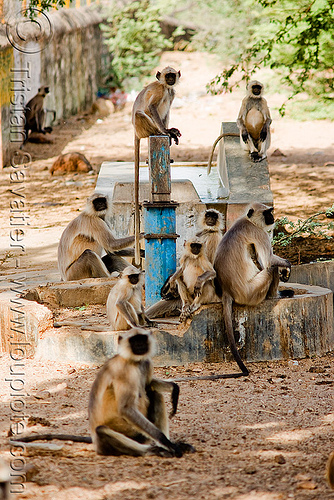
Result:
pixel 135 40
pixel 298 43
pixel 310 226
pixel 36 6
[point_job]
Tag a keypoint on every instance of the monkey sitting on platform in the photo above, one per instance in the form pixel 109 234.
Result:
pixel 211 224
pixel 81 244
pixel 124 305
pixel 247 269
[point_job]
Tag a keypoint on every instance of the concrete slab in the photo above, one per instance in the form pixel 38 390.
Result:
pixel 276 329
pixel 316 273
pixel 244 180
pixel 72 293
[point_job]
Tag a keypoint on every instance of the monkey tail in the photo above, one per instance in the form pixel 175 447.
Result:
pixel 50 437
pixel 227 311
pixel 226 134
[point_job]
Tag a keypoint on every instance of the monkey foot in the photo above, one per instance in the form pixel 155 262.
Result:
pixel 160 452
pixel 255 157
pixel 286 294
pixel 186 448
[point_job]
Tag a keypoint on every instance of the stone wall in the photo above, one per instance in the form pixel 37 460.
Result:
pixel 68 60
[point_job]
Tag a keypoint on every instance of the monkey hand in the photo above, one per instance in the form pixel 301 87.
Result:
pixel 198 287
pixel 244 136
pixel 263 134
pixel 284 274
pixel 174 133
pixel 150 323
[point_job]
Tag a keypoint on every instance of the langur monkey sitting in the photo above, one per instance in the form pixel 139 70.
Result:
pixel 211 224
pixel 127 414
pixel 126 410
pixel 81 244
pixel 194 278
pixel 254 122
pixel 35 114
pixel 124 305
pixel 246 267
pixel 150 116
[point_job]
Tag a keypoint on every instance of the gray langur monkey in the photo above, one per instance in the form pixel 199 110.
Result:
pixel 194 278
pixel 127 414
pixel 211 232
pixel 212 228
pixel 190 286
pixel 247 271
pixel 150 116
pixel 126 410
pixel 254 122
pixel 81 244
pixel 35 114
pixel 125 309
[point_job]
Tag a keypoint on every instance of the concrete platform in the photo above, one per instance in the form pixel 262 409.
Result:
pixel 277 329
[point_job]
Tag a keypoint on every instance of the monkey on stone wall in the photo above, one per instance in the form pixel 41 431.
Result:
pixel 254 122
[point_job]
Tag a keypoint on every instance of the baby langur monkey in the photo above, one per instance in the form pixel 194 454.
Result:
pixel 82 242
pixel 127 414
pixel 254 122
pixel 246 267
pixel 194 278
pixel 211 224
pixel 124 305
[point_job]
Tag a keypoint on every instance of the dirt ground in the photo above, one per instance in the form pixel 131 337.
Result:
pixel 264 437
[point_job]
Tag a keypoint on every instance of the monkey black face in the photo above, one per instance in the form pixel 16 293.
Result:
pixel 100 204
pixel 139 344
pixel 195 248
pixel 134 278
pixel 170 78
pixel 211 218
pixel 268 216
pixel 256 89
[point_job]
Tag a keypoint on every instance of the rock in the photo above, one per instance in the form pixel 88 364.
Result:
pixel 38 420
pixel 307 485
pixel 317 369
pixel 70 162
pixel 279 459
pixel 277 152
